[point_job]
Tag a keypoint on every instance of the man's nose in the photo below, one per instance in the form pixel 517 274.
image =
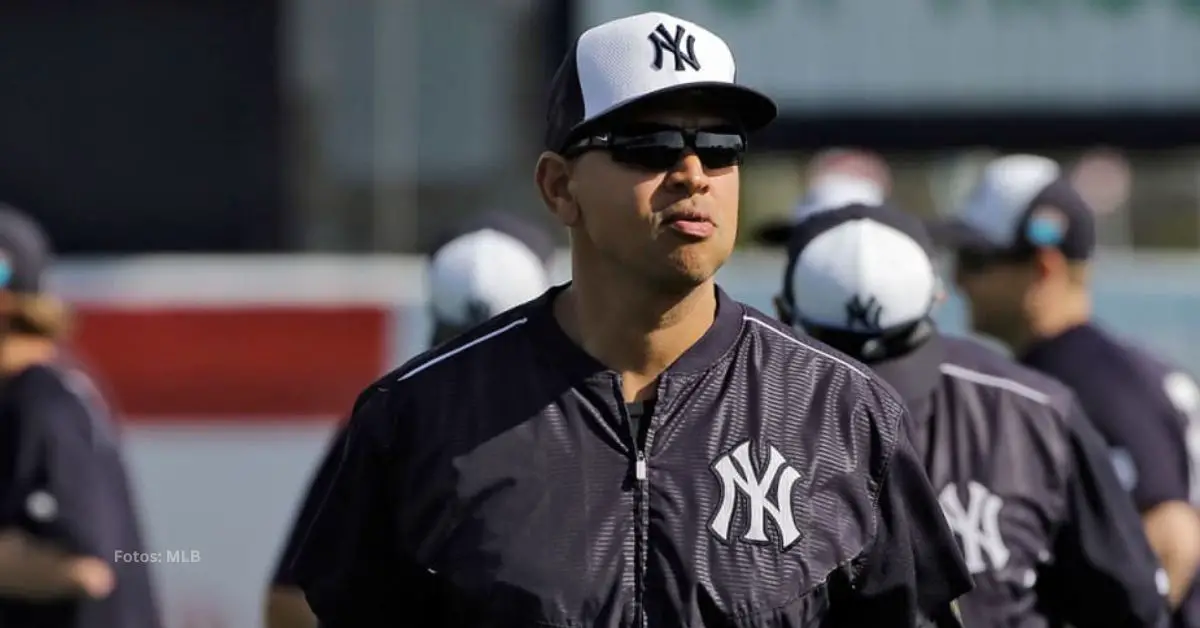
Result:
pixel 689 175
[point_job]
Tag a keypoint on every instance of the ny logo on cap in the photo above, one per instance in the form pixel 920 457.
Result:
pixel 863 315
pixel 682 46
pixel 478 312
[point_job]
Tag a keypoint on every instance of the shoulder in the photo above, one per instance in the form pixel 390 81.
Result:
pixel 1114 376
pixel 1023 410
pixel 486 343
pixel 35 380
pixel 799 351
pixel 453 370
pixel 1040 406
pixel 60 400
pixel 973 364
pixel 1097 363
pixel 42 386
pixel 842 387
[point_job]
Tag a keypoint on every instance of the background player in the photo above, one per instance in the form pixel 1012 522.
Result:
pixel 1023 244
pixel 836 177
pixel 1023 478
pixel 490 263
pixel 66 510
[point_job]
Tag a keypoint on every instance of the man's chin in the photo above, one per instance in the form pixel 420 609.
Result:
pixel 694 267
pixel 683 278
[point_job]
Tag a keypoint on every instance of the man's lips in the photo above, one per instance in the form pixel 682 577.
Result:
pixel 690 223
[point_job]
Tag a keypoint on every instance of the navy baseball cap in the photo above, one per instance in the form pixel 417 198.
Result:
pixel 639 59
pixel 25 252
pixel 1021 203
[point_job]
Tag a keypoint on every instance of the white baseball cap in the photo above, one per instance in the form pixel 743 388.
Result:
pixel 1021 203
pixel 862 279
pixel 837 190
pixel 632 59
pixel 481 274
pixel 864 269
pixel 829 192
pixel 840 177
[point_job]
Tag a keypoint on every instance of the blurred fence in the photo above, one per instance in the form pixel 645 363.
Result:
pixel 230 372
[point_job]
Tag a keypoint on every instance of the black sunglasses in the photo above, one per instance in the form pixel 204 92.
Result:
pixel 969 262
pixel 661 148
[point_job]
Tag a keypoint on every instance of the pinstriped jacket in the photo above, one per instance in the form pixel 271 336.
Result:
pixel 494 481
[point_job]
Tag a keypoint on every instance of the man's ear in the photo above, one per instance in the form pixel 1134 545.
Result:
pixel 553 179
pixel 940 294
pixel 1049 262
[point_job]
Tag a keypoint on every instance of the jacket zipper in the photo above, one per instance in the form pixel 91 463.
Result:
pixel 641 478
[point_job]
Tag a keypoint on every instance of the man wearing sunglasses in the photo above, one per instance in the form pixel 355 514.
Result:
pixel 1024 479
pixel 1023 244
pixel 489 263
pixel 631 450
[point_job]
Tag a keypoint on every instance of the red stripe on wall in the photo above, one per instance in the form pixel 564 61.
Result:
pixel 233 363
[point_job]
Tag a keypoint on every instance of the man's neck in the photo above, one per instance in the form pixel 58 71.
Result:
pixel 634 330
pixel 18 352
pixel 1053 322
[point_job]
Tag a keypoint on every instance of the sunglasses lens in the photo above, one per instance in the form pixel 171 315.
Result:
pixel 720 149
pixel 971 262
pixel 724 141
pixel 648 157
pixel 664 149
pixel 717 158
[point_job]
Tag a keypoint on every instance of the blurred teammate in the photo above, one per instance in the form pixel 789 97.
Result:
pixel 1023 478
pixel 837 177
pixel 626 450
pixel 489 264
pixel 485 265
pixel 66 514
pixel 1023 243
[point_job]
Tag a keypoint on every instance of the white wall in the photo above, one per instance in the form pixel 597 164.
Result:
pixel 227 493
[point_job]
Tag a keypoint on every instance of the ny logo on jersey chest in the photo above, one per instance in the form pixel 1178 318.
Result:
pixel 741 483
pixel 681 45
pixel 977 525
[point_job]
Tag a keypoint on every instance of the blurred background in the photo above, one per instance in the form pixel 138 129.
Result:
pixel 239 191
